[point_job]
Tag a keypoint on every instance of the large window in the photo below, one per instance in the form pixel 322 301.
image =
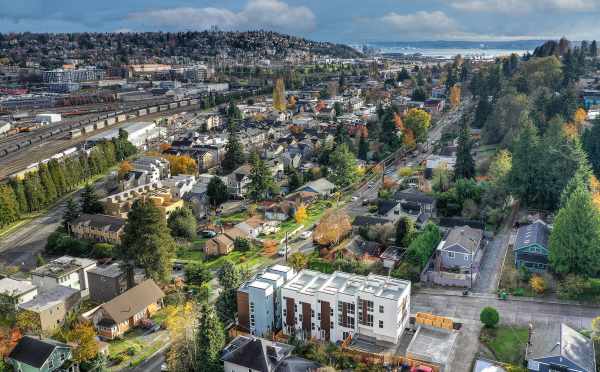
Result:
pixel 365 318
pixel 346 314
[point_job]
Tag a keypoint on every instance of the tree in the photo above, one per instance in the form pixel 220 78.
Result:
pixel 405 230
pixel 90 202
pixel 230 278
pixel 523 175
pixel 538 284
pixel 269 247
pixel 261 180
pixel 576 236
pixel 279 102
pixel 422 246
pixel 596 327
pixel 71 213
pixel 591 145
pixel 418 121
pixel 28 321
pixel 363 148
pixel 455 96
pixel 509 115
pixel 334 226
pixel 465 165
pixel 19 191
pixel 343 166
pixel 210 340
pixel 83 336
pixel 295 181
pixel 47 182
pixel 183 223
pixel 196 274
pixel 234 151
pixel 489 317
pixel 298 261
pixel 233 112
pixel 147 241
pixel 301 215
pixel 593 49
pixel 241 244
pixel 124 168
pixel 9 207
pixel 217 192
pixel 181 164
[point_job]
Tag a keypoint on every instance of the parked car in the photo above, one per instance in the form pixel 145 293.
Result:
pixel 281 252
pixel 208 234
pixel 421 369
pixel 306 234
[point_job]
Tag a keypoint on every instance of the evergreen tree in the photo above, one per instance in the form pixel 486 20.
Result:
pixel 217 192
pixel 261 180
pixel 523 177
pixel 233 112
pixel 147 242
pixel 230 279
pixel 591 145
pixel 234 151
pixel 90 202
pixel 575 237
pixel 295 181
pixel 465 165
pixel 183 223
pixel 71 213
pixel 483 110
pixel 210 340
pixel 343 166
pixel 405 229
pixel 58 176
pixel 581 178
pixel 363 148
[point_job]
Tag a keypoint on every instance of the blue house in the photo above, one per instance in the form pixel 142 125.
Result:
pixel 558 347
pixel 531 247
pixel 34 355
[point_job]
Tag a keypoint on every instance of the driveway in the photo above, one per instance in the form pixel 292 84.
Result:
pixel 491 264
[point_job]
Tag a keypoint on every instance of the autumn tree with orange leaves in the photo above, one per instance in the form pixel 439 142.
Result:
pixel 455 96
pixel 332 228
pixel 8 340
pixel 124 168
pixel 269 247
pixel 181 164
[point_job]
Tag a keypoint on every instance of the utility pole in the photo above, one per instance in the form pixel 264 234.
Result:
pixel 286 246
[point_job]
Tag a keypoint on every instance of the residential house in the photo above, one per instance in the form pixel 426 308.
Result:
pixel 303 197
pixel 273 150
pixel 326 113
pixel 32 354
pixel 276 168
pixel 437 161
pixel 17 291
pixel 363 221
pixel 332 307
pixel 254 226
pixel 239 180
pixel 558 347
pixel 64 271
pixel 280 211
pixel 107 282
pixel 321 186
pixel 223 243
pixel 531 246
pixel 291 161
pixel 361 249
pixel 412 199
pixel 251 354
pixel 180 185
pixel 98 227
pixel 460 247
pixel 115 317
pixel 52 306
pixel 434 105
pixel 259 301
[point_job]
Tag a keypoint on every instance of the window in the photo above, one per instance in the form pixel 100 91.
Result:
pixel 312 326
pixel 381 309
pixel 312 313
pixel 318 316
pixel 466 256
pixel 284 312
pixel 62 357
pixel 300 317
pixel 451 254
pixel 533 365
pixel 381 324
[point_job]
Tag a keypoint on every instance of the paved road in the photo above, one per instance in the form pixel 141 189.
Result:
pixel 514 312
pixel 21 247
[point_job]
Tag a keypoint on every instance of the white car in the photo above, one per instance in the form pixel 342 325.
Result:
pixel 306 235
pixel 281 252
pixel 354 198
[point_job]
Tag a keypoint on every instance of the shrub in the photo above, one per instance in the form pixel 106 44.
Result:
pixel 241 244
pixel 407 271
pixel 103 250
pixel 489 317
pixel 538 284
pixel 197 274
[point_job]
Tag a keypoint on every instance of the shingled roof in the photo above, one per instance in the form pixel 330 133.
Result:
pixel 132 301
pixel 535 233
pixel 33 351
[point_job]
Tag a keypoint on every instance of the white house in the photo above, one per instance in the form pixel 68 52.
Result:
pixel 180 185
pixel 66 271
pixel 18 291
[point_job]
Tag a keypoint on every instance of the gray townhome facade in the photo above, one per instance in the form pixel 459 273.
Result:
pixel 460 247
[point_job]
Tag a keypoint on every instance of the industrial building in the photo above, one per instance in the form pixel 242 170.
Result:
pixel 139 133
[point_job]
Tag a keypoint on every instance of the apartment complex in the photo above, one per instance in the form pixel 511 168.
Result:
pixel 98 227
pixel 259 301
pixel 331 307
pixel 73 75
pixel 118 205
pixel 64 271
pixel 328 307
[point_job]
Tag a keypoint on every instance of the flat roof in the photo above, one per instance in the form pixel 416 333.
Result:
pixel 270 276
pixel 48 299
pixel 309 282
pixel 281 268
pixel 62 266
pixel 111 271
pixel 259 284
pixel 12 287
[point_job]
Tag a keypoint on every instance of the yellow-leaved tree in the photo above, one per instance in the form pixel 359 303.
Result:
pixel 455 96
pixel 181 164
pixel 538 284
pixel 301 214
pixel 279 101
pixel 124 168
pixel 332 228
pixel 83 335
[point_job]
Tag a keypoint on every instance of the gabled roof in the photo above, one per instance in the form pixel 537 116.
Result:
pixel 255 353
pixel 412 195
pixel 535 233
pixel 369 221
pixel 33 351
pixel 100 222
pixel 322 186
pixel 132 301
pixel 562 340
pixel 464 236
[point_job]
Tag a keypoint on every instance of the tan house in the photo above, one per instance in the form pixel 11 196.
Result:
pixel 117 316
pixel 118 205
pixel 98 227
pixel 222 244
pixel 50 308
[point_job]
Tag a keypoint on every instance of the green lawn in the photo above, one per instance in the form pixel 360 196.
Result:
pixel 506 342
pixel 250 258
pixel 235 217
pixel 314 211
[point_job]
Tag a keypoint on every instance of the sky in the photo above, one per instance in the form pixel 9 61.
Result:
pixel 347 21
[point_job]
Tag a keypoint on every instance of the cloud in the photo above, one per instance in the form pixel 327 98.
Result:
pixel 517 7
pixel 264 14
pixel 432 24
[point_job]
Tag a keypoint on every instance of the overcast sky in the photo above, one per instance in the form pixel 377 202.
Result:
pixel 333 20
